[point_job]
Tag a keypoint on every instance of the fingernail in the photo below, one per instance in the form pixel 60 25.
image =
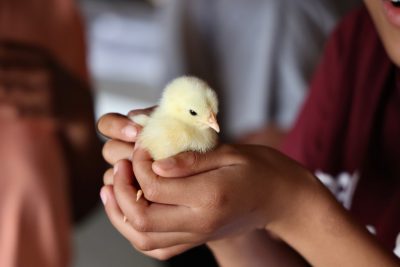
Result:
pixel 139 194
pixel 129 131
pixel 166 164
pixel 103 196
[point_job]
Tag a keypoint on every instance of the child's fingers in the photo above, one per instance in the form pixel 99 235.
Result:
pixel 154 241
pixel 114 213
pixel 156 188
pixel 146 217
pixel 164 218
pixel 125 191
pixel 142 241
pixel 108 178
pixel 171 234
pixel 191 163
pixel 114 151
pixel 166 253
pixel 117 126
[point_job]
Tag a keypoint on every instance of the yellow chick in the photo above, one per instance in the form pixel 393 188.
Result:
pixel 184 120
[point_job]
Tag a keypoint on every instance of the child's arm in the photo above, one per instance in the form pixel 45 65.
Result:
pixel 257 249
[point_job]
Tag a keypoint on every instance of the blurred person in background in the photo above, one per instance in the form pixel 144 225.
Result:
pixel 49 152
pixel 259 55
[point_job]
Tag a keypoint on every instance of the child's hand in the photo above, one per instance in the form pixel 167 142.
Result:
pixel 122 133
pixel 233 190
pixel 194 198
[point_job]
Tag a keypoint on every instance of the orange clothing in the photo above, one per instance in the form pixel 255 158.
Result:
pixel 34 213
pixel 54 25
pixel 48 144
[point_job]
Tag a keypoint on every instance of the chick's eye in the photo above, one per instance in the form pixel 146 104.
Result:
pixel 192 112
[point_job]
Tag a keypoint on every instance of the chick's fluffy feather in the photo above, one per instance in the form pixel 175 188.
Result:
pixel 172 128
pixel 164 137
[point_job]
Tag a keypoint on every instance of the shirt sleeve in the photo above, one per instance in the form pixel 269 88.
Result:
pixel 317 119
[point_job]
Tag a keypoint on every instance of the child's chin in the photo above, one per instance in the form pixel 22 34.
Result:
pixel 394 55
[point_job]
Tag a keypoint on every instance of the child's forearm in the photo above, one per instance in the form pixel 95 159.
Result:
pixel 318 228
pixel 324 233
pixel 255 249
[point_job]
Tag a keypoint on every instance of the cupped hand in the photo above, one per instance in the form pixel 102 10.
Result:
pixel 196 198
pixel 122 132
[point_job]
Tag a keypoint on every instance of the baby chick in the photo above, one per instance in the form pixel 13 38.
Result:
pixel 184 120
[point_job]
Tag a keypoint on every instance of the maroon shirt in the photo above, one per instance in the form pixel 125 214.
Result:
pixel 349 128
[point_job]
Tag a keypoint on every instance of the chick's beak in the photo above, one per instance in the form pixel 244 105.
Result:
pixel 212 122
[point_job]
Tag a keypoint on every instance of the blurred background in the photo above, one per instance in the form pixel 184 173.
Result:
pixel 129 44
pixel 259 55
pixel 126 41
